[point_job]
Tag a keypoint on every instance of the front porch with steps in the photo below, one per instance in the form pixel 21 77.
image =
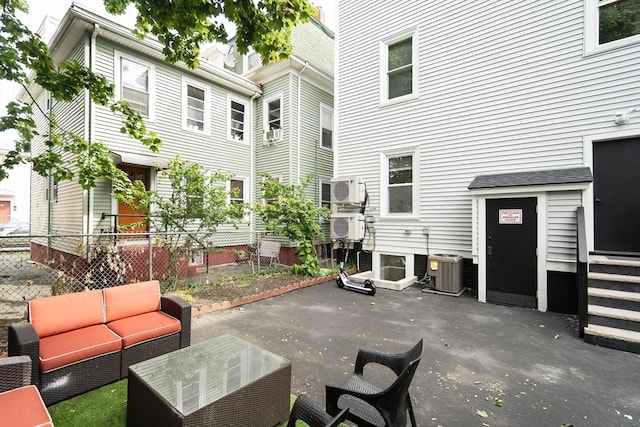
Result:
pixel 613 296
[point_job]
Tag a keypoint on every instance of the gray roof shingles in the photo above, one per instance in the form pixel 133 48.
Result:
pixel 543 177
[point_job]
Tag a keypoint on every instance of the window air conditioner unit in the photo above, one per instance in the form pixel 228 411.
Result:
pixel 273 135
pixel 347 190
pixel 347 226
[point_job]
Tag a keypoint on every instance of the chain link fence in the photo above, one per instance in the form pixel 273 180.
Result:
pixel 37 266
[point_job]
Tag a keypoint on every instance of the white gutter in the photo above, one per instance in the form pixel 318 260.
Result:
pixel 306 63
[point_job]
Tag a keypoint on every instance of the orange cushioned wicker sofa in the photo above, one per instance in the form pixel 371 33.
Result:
pixel 84 340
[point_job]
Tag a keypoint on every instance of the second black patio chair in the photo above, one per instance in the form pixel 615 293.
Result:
pixel 370 405
pixel 305 409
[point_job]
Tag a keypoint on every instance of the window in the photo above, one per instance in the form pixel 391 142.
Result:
pixel 274 114
pixel 195 107
pixel 253 60
pixel 265 200
pixel 325 194
pixel 399 66
pixel 392 267
pixel 135 84
pixel 236 192
pixel 326 127
pixel 237 111
pixel 618 20
pixel 399 196
pixel 611 23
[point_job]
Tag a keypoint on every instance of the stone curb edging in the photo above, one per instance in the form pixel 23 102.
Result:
pixel 225 305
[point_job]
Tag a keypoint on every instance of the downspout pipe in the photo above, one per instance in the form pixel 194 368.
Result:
pixel 91 133
pixel 252 160
pixel 299 125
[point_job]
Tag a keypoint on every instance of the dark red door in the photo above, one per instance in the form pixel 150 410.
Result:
pixel 511 247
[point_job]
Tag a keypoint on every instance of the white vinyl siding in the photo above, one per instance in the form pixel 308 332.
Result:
pixel 516 95
pixel 561 225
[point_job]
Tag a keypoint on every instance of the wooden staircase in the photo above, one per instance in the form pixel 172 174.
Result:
pixel 613 302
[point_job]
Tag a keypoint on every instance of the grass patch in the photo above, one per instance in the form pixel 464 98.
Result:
pixel 105 407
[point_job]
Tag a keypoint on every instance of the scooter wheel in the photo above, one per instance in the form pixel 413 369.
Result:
pixel 371 289
pixel 339 283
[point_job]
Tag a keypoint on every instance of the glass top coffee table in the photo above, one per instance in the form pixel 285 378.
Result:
pixel 224 381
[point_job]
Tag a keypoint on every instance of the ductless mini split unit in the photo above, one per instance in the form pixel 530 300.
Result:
pixel 349 190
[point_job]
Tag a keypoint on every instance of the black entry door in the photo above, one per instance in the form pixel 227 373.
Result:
pixel 511 251
pixel 616 193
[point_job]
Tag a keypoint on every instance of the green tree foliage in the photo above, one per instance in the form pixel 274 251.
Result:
pixel 289 213
pixel 182 26
pixel 197 205
pixel 25 59
pixel 264 25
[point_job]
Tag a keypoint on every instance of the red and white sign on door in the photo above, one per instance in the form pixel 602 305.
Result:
pixel 510 216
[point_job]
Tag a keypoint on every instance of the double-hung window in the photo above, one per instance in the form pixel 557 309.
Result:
pixel 400 182
pixel 611 23
pixel 236 193
pixel 195 106
pixel 274 114
pixel 325 194
pixel 135 82
pixel 237 118
pixel 326 127
pixel 398 76
pixel 273 119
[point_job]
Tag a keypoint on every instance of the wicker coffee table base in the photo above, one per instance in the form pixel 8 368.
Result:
pixel 264 402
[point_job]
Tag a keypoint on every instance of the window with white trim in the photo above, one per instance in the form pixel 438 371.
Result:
pixel 611 23
pixel 236 192
pixel 195 106
pixel 274 114
pixel 399 184
pixel 237 117
pixel 325 194
pixel 326 127
pixel 135 83
pixel 399 66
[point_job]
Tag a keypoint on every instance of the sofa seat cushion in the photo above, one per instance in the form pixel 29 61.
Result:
pixel 23 407
pixel 132 299
pixel 144 327
pixel 74 346
pixel 62 313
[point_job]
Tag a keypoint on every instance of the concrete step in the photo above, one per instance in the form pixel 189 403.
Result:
pixel 614 265
pixel 619 282
pixel 615 338
pixel 614 298
pixel 614 313
pixel 614 317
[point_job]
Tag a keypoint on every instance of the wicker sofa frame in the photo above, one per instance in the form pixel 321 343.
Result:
pixel 77 378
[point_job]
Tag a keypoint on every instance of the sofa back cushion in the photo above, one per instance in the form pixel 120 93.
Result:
pixel 63 313
pixel 131 300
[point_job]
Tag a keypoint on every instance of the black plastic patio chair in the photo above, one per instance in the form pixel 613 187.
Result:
pixel 370 405
pixel 306 410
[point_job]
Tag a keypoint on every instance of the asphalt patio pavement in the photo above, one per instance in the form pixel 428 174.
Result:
pixel 483 364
